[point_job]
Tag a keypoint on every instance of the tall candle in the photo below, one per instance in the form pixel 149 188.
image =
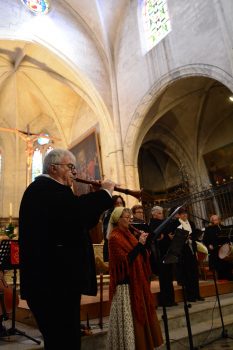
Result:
pixel 10 210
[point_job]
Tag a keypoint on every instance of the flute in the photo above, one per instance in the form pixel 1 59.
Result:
pixel 138 232
pixel 136 194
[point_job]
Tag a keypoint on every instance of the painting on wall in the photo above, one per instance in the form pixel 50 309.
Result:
pixel 88 163
pixel 219 164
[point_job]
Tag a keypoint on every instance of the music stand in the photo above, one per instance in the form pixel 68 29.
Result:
pixel 9 260
pixel 175 255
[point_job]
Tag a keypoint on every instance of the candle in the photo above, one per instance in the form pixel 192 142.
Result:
pixel 10 210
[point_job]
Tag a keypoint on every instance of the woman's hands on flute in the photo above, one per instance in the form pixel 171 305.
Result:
pixel 143 237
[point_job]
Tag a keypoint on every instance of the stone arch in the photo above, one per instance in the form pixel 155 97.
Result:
pixel 138 128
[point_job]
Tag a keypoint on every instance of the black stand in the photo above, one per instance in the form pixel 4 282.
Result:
pixel 154 236
pixel 164 316
pixel 9 260
pixel 224 333
pixel 186 306
pixel 174 255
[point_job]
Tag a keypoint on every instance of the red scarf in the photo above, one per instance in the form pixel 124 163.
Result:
pixel 120 244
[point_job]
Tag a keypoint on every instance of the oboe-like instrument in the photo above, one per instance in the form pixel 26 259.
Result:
pixel 136 194
pixel 136 230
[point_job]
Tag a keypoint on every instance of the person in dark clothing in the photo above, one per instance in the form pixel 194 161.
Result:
pixel 56 257
pixel 117 201
pixel 138 214
pixel 213 241
pixel 187 268
pixel 160 247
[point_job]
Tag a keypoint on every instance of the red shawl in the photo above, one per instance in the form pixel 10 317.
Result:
pixel 120 244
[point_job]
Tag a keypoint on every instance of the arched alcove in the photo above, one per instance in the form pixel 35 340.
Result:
pixel 185 119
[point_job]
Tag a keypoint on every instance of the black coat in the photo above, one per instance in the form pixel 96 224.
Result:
pixel 55 248
pixel 211 236
pixel 193 236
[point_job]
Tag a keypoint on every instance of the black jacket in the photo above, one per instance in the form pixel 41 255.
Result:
pixel 55 249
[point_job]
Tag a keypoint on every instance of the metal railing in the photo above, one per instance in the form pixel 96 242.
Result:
pixel 201 205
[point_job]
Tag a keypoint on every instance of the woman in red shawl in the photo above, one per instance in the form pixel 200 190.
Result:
pixel 133 323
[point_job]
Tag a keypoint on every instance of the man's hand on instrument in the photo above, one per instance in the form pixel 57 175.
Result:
pixel 93 187
pixel 108 185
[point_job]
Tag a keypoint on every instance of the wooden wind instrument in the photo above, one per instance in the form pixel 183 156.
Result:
pixel 136 230
pixel 136 194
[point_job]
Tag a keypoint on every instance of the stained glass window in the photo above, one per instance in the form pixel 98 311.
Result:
pixel 156 21
pixel 37 6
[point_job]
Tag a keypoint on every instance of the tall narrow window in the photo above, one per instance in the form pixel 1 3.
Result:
pixel 48 150
pixel 0 164
pixel 156 22
pixel 36 163
pixel 39 153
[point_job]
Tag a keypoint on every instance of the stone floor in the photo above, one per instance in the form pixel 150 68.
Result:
pixel 219 344
pixel 20 342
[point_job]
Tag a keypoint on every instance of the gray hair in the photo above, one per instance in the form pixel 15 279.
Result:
pixel 156 209
pixel 56 156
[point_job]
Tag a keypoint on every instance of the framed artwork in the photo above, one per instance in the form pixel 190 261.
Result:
pixel 88 163
pixel 219 164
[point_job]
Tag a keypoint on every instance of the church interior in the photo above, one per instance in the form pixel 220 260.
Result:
pixel 140 91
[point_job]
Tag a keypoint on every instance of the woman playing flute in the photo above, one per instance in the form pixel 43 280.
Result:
pixel 133 322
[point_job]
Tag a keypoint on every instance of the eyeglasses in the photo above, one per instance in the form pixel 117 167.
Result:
pixel 125 217
pixel 139 212
pixel 69 165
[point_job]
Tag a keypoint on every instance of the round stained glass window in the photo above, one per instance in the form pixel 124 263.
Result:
pixel 37 6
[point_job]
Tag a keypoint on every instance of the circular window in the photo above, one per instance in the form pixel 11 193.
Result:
pixel 37 6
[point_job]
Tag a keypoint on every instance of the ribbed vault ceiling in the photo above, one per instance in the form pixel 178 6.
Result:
pixel 37 89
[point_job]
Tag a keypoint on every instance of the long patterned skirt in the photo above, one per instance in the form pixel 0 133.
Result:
pixel 121 328
pixel 125 332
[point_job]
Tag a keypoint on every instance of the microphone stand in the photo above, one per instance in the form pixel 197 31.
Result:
pixel 155 235
pixel 224 334
pixel 175 254
pixel 198 217
pixel 164 316
pixel 186 305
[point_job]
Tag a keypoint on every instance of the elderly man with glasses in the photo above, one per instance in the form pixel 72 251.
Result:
pixel 56 255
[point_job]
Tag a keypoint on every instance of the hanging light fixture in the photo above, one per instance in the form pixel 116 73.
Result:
pixel 43 139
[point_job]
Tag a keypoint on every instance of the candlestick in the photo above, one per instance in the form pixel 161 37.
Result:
pixel 10 210
pixel 101 301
